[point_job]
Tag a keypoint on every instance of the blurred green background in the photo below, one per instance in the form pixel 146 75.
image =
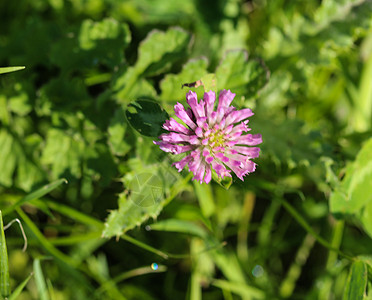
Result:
pixel 75 112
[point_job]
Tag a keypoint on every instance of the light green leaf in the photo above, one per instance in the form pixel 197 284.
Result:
pixel 40 281
pixel 241 74
pixel 4 266
pixel 10 69
pixel 116 130
pixel 175 225
pixel 356 282
pixel 171 85
pixel 354 191
pixel 150 188
pixel 36 194
pixel 205 196
pixel 155 55
pixel 63 152
pixel 243 290
pixel 15 160
pixel 160 49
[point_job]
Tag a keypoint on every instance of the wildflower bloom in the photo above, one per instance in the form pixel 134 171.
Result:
pixel 212 138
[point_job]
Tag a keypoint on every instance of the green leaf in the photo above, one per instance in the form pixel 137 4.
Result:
pixel 291 143
pixel 40 281
pixel 175 225
pixel 96 43
pixel 116 130
pixel 147 117
pixel 19 288
pixel 240 74
pixel 171 85
pixel 15 161
pixel 4 266
pixel 160 49
pixel 354 191
pixel 356 282
pixel 150 188
pixel 36 194
pixel 63 152
pixel 10 69
pixel 205 196
pixel 239 288
pixel 155 55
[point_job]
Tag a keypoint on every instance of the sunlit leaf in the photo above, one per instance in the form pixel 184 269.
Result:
pixel 356 284
pixel 171 85
pixel 15 160
pixel 241 74
pixel 174 225
pixel 354 191
pixel 10 69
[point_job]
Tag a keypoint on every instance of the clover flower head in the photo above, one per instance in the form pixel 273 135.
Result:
pixel 213 138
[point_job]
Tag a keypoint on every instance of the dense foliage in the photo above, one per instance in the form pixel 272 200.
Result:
pixel 107 216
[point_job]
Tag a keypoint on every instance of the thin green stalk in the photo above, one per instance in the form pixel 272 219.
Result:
pixel 130 274
pixel 292 211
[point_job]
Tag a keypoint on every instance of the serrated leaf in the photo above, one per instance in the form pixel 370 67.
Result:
pixel 147 117
pixel 288 141
pixel 96 43
pixel 171 85
pixel 155 55
pixel 356 282
pixel 63 153
pixel 149 188
pixel 160 49
pixel 130 215
pixel 10 69
pixel 14 159
pixel 136 87
pixel 68 154
pixel 243 75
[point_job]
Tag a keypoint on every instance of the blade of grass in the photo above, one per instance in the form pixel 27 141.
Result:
pixel 20 288
pixel 129 274
pixel 241 289
pixel 75 239
pixel 35 195
pixel 10 69
pixel 4 265
pixel 74 214
pixel 40 281
pixel 289 283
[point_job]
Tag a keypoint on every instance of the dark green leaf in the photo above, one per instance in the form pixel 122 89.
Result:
pixel 147 117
